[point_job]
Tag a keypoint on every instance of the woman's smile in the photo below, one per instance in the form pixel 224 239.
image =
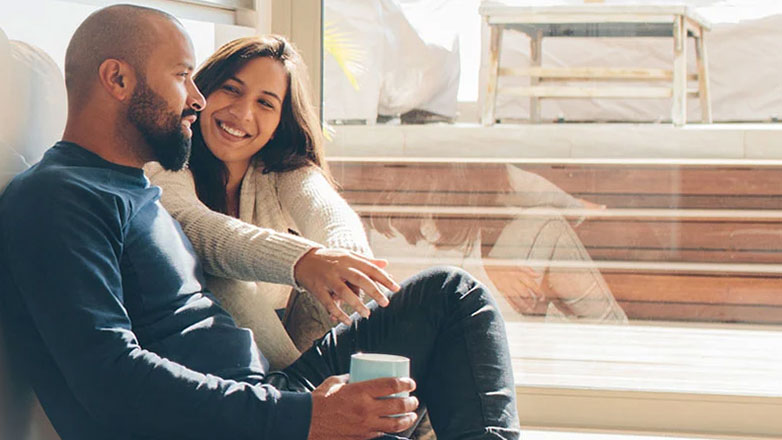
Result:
pixel 230 132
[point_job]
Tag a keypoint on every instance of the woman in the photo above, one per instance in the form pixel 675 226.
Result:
pixel 257 172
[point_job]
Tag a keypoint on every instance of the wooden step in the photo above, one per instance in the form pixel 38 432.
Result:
pixel 733 236
pixel 650 291
pixel 742 186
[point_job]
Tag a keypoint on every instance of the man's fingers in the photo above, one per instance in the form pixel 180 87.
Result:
pixel 531 285
pixel 398 405
pixel 386 386
pixel 530 271
pixel 331 385
pixel 397 423
pixel 333 380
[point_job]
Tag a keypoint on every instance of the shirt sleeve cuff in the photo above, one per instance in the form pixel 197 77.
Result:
pixel 292 416
pixel 284 251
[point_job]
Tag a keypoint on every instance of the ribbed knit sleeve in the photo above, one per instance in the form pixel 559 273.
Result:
pixel 319 212
pixel 228 247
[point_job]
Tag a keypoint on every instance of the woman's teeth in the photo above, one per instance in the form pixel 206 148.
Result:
pixel 232 131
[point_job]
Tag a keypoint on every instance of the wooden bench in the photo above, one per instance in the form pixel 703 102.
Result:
pixel 683 241
pixel 649 20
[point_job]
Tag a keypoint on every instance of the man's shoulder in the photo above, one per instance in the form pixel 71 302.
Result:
pixel 56 191
pixel 46 181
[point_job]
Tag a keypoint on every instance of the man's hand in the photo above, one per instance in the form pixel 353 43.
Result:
pixel 358 410
pixel 523 287
pixel 335 275
pixel 591 205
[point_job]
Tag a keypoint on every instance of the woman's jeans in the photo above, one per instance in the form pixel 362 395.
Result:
pixel 449 326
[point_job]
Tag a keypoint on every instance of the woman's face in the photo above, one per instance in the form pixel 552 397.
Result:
pixel 242 114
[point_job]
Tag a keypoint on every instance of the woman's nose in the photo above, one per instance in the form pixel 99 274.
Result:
pixel 242 109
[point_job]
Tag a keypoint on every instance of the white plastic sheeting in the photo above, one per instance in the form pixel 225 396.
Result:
pixel 407 53
pixel 745 63
pixel 32 117
pixel 32 105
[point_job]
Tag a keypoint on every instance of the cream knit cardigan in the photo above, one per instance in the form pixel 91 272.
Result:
pixel 238 253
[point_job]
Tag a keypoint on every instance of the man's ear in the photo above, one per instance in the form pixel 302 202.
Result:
pixel 117 78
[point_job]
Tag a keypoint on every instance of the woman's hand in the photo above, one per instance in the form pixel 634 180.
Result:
pixel 336 275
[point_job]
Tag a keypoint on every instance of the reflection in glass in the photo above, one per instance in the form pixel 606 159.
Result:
pixel 491 224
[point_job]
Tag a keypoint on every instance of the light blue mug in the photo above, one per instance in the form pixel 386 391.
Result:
pixel 368 366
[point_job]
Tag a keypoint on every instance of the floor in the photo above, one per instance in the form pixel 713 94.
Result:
pixel 563 435
pixel 645 377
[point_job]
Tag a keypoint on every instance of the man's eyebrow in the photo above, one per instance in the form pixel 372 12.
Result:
pixel 187 66
pixel 265 92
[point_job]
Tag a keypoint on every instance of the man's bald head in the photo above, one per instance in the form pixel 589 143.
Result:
pixel 123 32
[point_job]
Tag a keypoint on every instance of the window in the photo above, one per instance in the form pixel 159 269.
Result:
pixel 636 262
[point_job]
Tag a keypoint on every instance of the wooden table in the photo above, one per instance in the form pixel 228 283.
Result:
pixel 598 20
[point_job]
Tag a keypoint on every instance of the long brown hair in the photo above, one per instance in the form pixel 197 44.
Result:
pixel 298 140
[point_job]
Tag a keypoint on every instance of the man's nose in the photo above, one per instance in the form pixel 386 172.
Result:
pixel 196 100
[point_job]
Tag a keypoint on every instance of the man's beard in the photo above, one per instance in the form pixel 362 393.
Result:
pixel 161 128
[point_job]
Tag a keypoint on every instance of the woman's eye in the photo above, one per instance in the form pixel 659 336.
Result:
pixel 265 103
pixel 230 89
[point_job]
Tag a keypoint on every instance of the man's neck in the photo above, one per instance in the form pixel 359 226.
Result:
pixel 100 137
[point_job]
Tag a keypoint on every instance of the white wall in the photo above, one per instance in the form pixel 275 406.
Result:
pixel 49 24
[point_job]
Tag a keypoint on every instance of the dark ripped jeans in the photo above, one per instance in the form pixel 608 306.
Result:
pixel 449 326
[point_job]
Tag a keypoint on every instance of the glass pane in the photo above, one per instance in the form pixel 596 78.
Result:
pixel 632 243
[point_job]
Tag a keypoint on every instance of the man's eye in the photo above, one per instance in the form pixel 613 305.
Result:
pixel 230 89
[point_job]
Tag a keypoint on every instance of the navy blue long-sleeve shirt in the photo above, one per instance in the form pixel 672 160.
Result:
pixel 102 297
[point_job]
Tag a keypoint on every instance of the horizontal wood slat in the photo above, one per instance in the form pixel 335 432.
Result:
pixel 664 186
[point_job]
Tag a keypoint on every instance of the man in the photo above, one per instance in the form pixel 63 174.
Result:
pixel 101 293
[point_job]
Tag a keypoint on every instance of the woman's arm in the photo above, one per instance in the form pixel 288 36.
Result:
pixel 231 248
pixel 228 247
pixel 319 212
